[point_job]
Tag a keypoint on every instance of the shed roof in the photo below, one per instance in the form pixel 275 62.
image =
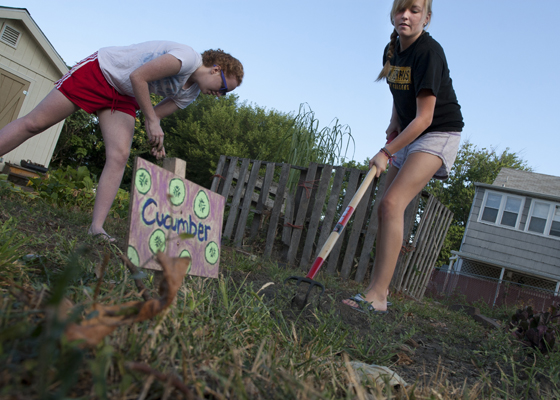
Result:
pixel 528 181
pixel 23 15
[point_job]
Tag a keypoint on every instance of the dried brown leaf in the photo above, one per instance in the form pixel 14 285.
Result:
pixel 412 343
pixel 403 359
pixel 104 319
pixel 406 349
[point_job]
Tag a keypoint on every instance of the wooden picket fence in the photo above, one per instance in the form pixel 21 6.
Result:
pixel 292 225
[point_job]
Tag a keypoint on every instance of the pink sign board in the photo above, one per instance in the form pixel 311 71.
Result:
pixel 162 207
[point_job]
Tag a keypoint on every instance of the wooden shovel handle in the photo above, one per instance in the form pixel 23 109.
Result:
pixel 341 224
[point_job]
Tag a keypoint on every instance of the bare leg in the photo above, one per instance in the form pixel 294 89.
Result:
pixel 51 110
pixel 117 129
pixel 402 186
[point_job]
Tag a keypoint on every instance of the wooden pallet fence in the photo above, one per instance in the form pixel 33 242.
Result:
pixel 422 253
pixel 294 224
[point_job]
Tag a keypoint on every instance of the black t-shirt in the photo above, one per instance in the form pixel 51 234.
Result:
pixel 423 66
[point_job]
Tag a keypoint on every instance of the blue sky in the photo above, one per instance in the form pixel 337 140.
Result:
pixel 326 53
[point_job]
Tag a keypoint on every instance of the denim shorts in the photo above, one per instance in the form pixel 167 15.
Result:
pixel 442 144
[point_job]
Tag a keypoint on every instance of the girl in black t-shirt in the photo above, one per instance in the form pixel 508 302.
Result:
pixel 423 136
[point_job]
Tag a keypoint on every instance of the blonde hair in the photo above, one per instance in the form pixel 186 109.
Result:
pixel 231 66
pixel 397 6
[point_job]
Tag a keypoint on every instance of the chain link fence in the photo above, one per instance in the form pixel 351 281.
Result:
pixel 479 282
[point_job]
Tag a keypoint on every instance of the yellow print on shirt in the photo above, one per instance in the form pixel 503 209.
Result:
pixel 399 77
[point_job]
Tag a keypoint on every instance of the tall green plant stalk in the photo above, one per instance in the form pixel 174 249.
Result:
pixel 305 142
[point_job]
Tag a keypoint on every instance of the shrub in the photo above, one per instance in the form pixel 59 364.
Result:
pixel 6 185
pixel 536 330
pixel 76 188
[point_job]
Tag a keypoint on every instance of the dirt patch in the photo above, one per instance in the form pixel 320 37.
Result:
pixel 428 353
pixel 417 340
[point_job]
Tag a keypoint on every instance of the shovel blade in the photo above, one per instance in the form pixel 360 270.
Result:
pixel 301 298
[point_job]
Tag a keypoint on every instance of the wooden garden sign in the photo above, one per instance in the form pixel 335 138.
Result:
pixel 164 206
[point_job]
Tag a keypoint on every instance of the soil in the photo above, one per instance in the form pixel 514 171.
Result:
pixel 421 359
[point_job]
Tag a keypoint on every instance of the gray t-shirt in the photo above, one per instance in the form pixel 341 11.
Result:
pixel 118 62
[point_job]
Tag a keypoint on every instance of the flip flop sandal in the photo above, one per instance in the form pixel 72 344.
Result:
pixel 105 237
pixel 364 306
pixel 368 308
pixel 359 297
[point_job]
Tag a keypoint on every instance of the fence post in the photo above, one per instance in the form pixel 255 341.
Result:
pixel 247 200
pixel 175 165
pixel 300 218
pixel 353 182
pixel 498 286
pixel 404 260
pixel 315 218
pixel 356 232
pixel 217 177
pixel 449 269
pixel 276 209
pixel 327 224
pixel 234 208
pixel 371 233
pixel 258 218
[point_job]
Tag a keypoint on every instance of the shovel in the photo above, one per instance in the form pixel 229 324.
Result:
pixel 333 237
pixel 329 244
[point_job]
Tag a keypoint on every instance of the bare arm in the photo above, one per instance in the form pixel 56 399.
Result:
pixel 165 108
pixel 394 125
pixel 425 106
pixel 158 68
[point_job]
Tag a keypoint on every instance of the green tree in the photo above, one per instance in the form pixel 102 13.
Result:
pixel 457 193
pixel 208 128
pixel 212 126
pixel 77 139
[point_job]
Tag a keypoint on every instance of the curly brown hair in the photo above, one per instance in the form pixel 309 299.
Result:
pixel 231 66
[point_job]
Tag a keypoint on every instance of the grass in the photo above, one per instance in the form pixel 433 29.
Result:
pixel 232 337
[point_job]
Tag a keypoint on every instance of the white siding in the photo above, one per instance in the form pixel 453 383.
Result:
pixel 534 254
pixel 30 62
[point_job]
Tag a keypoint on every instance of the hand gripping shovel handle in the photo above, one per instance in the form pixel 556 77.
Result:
pixel 341 224
pixel 333 237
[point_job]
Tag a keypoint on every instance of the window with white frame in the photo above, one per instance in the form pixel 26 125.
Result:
pixel 555 224
pixel 501 209
pixel 544 218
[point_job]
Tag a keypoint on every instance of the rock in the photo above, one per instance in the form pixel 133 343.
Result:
pixel 475 313
pixel 487 322
pixel 469 310
pixel 377 373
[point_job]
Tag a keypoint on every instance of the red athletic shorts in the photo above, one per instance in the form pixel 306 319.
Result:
pixel 85 86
